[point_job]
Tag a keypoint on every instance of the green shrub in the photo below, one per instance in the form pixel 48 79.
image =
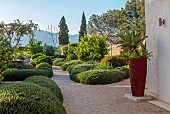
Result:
pixel 67 64
pixel 92 48
pixel 28 98
pixel 44 64
pixel 57 60
pixel 114 61
pixel 26 67
pixel 93 62
pixel 48 70
pixel 36 55
pixel 63 50
pixel 22 74
pixel 60 63
pixel 8 70
pixel 103 66
pixel 72 47
pixel 125 71
pixel 78 69
pixel 41 59
pixel 46 82
pixel 20 57
pixel 100 76
pixel 48 50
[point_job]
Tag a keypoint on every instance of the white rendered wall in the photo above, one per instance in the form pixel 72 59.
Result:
pixel 158 42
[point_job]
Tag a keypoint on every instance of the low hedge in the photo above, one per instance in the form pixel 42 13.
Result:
pixel 57 60
pixel 125 71
pixel 22 74
pixel 28 98
pixel 49 70
pixel 103 66
pixel 44 64
pixel 60 63
pixel 48 83
pixel 114 61
pixel 78 69
pixel 73 62
pixel 100 76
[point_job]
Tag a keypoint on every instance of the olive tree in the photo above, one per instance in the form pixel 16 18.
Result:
pixel 13 32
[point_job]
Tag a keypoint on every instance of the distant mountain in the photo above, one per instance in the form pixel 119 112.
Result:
pixel 45 37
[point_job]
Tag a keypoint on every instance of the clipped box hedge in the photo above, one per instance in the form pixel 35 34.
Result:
pixel 44 64
pixel 57 60
pixel 73 62
pixel 78 69
pixel 100 76
pixel 103 66
pixel 125 71
pixel 28 98
pixel 48 83
pixel 61 63
pixel 22 74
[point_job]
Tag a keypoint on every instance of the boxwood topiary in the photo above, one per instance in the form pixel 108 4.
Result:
pixel 44 64
pixel 61 63
pixel 67 64
pixel 46 82
pixel 103 66
pixel 57 60
pixel 49 70
pixel 125 71
pixel 100 76
pixel 114 61
pixel 78 69
pixel 22 74
pixel 28 98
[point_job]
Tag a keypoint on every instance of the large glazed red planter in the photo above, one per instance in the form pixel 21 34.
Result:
pixel 138 69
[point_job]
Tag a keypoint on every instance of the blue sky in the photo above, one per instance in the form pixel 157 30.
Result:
pixel 45 12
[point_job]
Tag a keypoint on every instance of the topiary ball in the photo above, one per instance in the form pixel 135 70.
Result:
pixel 28 98
pixel 44 64
pixel 46 82
pixel 100 76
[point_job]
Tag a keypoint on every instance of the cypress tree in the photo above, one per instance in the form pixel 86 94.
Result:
pixel 63 33
pixel 83 30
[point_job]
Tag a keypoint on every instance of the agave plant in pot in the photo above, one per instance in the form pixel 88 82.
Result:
pixel 133 44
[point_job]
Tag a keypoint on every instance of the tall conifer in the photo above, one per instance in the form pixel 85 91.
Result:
pixel 63 33
pixel 83 30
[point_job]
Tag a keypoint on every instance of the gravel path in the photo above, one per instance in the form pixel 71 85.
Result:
pixel 100 99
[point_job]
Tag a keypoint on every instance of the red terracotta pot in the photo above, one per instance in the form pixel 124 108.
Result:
pixel 138 69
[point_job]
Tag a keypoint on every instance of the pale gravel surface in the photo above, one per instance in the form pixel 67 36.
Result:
pixel 100 99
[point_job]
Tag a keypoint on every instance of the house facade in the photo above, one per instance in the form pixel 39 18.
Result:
pixel 114 48
pixel 158 42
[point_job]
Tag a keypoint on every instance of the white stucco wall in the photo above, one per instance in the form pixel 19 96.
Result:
pixel 158 42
